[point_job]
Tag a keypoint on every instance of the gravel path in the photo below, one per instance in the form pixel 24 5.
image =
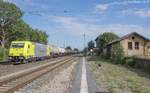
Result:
pixel 56 81
pixel 7 69
pixel 77 78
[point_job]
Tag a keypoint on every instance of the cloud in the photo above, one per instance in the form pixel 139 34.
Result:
pixel 71 25
pixel 137 1
pixel 144 13
pixel 76 27
pixel 127 2
pixel 101 7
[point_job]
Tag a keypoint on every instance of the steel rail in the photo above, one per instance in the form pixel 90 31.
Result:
pixel 10 83
pixel 6 62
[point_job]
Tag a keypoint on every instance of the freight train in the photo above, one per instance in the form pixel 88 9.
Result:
pixel 26 51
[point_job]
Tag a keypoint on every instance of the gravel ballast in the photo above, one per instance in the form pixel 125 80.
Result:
pixel 8 69
pixel 56 81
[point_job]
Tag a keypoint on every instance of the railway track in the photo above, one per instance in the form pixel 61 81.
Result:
pixel 8 62
pixel 5 62
pixel 14 81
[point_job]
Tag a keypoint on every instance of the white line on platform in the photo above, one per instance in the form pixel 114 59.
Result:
pixel 84 85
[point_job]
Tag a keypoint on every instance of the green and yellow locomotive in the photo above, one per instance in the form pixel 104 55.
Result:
pixel 26 51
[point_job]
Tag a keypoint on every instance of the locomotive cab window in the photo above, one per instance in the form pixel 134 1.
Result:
pixel 17 45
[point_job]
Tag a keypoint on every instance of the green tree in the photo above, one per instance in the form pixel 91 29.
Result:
pixel 9 16
pixel 91 45
pixel 12 28
pixel 19 32
pixel 104 39
pixel 68 48
pixel 39 36
pixel 117 54
pixel 76 50
pixel 84 51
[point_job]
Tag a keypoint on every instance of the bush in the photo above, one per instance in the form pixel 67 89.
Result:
pixel 130 61
pixel 117 54
pixel 3 53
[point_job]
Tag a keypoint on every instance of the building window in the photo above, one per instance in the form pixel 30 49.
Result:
pixel 133 37
pixel 136 45
pixel 130 45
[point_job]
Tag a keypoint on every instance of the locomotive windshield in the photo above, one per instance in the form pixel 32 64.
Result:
pixel 17 45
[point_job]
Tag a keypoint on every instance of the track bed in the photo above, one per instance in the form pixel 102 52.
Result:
pixel 10 68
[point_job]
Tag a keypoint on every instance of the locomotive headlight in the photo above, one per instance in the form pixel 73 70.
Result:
pixel 10 57
pixel 21 54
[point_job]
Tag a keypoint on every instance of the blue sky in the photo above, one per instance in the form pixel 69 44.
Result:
pixel 67 20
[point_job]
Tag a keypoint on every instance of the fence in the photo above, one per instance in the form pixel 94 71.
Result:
pixel 142 63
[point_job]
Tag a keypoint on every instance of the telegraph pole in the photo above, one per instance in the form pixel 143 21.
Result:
pixel 84 45
pixel 84 40
pixel 64 44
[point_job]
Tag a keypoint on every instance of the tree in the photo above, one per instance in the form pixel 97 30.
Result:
pixel 20 31
pixel 12 28
pixel 117 54
pixel 9 16
pixel 90 45
pixel 104 39
pixel 68 48
pixel 76 50
pixel 85 50
pixel 39 36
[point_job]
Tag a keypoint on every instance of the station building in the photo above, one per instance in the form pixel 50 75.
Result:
pixel 133 44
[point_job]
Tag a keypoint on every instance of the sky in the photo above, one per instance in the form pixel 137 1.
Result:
pixel 65 21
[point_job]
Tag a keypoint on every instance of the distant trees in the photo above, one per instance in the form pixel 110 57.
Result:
pixel 85 51
pixel 105 38
pixel 12 27
pixel 75 49
pixel 37 35
pixel 91 45
pixel 68 48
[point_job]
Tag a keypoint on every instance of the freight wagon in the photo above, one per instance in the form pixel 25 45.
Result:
pixel 57 51
pixel 54 51
pixel 41 51
pixel 26 51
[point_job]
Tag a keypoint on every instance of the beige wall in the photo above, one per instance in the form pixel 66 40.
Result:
pixel 133 52
pixel 147 49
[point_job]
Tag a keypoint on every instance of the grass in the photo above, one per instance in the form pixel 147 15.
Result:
pixel 118 78
pixel 3 53
pixel 97 59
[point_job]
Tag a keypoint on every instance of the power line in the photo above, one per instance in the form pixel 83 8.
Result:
pixel 40 13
